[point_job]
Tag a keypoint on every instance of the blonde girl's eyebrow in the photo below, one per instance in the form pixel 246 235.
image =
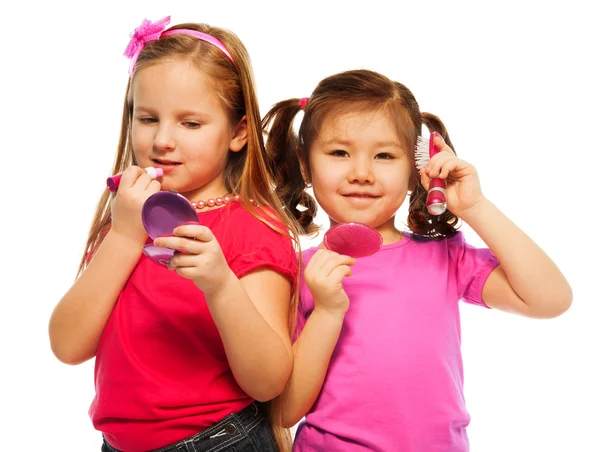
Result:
pixel 179 114
pixel 192 113
pixel 137 109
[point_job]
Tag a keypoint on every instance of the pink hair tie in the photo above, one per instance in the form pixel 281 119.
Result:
pixel 303 102
pixel 148 32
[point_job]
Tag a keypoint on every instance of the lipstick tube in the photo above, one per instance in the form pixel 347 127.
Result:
pixel 112 183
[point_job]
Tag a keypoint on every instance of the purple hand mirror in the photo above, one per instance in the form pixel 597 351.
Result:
pixel 353 239
pixel 161 213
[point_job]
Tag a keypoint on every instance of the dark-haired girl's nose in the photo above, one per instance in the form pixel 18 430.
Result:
pixel 361 172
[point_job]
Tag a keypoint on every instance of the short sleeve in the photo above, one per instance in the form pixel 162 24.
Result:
pixel 303 311
pixel 251 244
pixel 306 302
pixel 472 267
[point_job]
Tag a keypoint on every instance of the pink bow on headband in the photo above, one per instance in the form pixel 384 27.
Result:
pixel 142 35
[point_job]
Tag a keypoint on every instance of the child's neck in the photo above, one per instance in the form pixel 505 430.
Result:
pixel 389 232
pixel 391 236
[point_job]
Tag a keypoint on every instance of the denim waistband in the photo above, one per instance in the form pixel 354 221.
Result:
pixel 233 426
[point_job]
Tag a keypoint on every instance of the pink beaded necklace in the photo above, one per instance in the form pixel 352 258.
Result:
pixel 220 201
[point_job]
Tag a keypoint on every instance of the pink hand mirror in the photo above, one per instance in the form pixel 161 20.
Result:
pixel 353 239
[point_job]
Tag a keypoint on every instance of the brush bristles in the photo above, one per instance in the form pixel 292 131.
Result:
pixel 422 152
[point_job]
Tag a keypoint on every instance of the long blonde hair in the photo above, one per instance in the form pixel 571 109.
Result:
pixel 247 172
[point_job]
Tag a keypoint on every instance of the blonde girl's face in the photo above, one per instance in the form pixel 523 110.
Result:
pixel 179 124
pixel 360 171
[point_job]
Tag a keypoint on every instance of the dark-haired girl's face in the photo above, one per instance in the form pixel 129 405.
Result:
pixel 360 171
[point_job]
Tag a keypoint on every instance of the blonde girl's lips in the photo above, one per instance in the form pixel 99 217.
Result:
pixel 167 167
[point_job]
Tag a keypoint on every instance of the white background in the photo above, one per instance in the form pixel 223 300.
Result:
pixel 515 82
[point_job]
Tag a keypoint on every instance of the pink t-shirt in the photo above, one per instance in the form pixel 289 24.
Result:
pixel 395 380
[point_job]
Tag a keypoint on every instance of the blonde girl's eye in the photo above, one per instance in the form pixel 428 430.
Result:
pixel 147 119
pixel 338 153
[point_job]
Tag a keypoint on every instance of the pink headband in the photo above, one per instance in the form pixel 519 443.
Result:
pixel 303 102
pixel 148 32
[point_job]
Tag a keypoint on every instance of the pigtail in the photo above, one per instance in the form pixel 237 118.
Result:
pixel 435 124
pixel 420 221
pixel 282 150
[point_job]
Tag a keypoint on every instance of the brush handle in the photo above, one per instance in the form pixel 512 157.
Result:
pixel 436 195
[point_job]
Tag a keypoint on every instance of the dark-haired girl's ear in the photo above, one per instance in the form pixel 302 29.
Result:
pixel 303 166
pixel 240 136
pixel 413 181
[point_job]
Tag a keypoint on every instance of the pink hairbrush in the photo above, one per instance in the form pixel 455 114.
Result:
pixel 161 213
pixel 436 195
pixel 353 239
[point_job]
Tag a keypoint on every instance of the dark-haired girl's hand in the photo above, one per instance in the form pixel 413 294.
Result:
pixel 324 275
pixel 463 192
pixel 126 208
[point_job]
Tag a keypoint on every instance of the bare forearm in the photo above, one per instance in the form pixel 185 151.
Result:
pixel 259 358
pixel 312 353
pixel 531 273
pixel 78 320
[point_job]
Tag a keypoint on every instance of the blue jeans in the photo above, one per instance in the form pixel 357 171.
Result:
pixel 245 431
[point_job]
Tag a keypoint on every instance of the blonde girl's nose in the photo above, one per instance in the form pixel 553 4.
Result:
pixel 164 139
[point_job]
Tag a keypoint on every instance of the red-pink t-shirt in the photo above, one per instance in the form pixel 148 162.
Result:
pixel 395 379
pixel 161 371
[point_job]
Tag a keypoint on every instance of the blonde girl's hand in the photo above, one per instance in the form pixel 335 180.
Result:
pixel 324 275
pixel 463 191
pixel 199 257
pixel 126 207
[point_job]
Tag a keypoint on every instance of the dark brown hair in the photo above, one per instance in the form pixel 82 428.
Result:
pixel 247 172
pixel 357 90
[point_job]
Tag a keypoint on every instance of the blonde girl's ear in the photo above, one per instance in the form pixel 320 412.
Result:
pixel 240 136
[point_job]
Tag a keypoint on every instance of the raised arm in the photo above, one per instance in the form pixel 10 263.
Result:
pixel 78 320
pixel 81 315
pixel 527 281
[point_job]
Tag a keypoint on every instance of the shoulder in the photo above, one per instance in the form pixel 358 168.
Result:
pixel 256 240
pixel 307 254
pixel 235 222
pixel 450 240
pixel 449 245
